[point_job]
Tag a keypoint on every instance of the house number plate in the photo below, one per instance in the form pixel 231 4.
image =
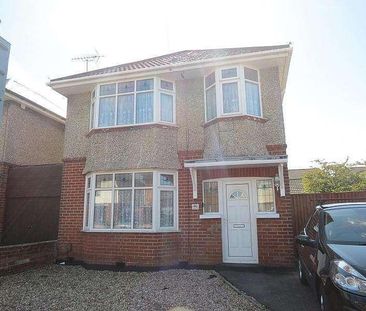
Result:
pixel 239 226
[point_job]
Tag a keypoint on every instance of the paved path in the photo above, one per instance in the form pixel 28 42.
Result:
pixel 280 290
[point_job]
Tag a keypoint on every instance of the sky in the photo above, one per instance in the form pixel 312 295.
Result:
pixel 325 99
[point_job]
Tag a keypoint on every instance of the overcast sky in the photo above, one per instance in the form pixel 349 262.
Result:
pixel 325 101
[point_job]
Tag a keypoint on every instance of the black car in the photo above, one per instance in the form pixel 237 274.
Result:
pixel 332 255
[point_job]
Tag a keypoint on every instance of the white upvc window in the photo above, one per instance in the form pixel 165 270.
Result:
pixel 265 196
pixel 211 197
pixel 210 97
pixel 231 91
pixel 133 102
pixel 140 201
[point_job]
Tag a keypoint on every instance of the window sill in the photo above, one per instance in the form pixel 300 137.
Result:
pixel 129 231
pixel 162 125
pixel 210 216
pixel 235 117
pixel 268 215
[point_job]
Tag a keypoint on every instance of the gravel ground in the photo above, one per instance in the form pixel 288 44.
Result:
pixel 75 288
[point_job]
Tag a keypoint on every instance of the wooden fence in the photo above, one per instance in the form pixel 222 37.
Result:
pixel 32 204
pixel 304 204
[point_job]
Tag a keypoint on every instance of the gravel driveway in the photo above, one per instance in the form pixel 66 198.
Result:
pixel 75 288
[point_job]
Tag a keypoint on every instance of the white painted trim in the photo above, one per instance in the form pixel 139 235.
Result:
pixel 219 61
pixel 211 216
pixel 194 182
pixel 267 215
pixel 282 180
pixel 234 163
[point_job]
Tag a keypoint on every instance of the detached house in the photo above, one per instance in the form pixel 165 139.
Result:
pixel 178 158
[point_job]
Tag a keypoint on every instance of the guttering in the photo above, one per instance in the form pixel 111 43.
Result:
pixel 33 106
pixel 285 52
pixel 206 164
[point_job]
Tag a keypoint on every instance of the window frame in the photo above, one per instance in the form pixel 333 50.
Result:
pixel 219 212
pixel 206 88
pixel 156 188
pixel 156 90
pixel 253 193
pixel 240 79
pixel 274 196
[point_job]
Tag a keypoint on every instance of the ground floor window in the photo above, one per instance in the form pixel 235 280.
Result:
pixel 131 201
pixel 263 198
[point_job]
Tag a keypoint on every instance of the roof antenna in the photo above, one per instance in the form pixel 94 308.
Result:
pixel 86 58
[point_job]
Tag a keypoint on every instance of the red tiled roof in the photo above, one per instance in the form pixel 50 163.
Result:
pixel 180 57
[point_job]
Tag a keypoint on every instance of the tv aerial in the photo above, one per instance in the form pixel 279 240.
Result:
pixel 87 58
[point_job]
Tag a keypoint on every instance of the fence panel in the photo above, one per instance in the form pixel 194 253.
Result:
pixel 32 204
pixel 304 204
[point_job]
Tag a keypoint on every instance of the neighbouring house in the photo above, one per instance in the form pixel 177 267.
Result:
pixel 295 177
pixel 178 158
pixel 31 133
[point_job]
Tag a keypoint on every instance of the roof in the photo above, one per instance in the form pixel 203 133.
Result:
pixel 47 101
pixel 181 57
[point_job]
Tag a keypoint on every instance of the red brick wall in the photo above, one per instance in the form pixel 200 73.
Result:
pixel 198 240
pixel 16 258
pixel 71 208
pixel 4 168
pixel 135 249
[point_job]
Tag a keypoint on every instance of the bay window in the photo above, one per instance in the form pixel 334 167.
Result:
pixel 133 102
pixel 232 91
pixel 210 96
pixel 131 201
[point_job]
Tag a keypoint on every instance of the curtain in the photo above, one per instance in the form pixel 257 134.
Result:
pixel 102 209
pixel 106 111
pixel 143 209
pixel 230 97
pixel 125 109
pixel 122 209
pixel 144 107
pixel 166 106
pixel 252 98
pixel 211 103
pixel 166 208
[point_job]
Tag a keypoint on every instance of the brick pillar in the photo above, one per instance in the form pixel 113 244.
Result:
pixel 71 209
pixel 4 168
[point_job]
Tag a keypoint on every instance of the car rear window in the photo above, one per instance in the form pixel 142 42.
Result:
pixel 346 225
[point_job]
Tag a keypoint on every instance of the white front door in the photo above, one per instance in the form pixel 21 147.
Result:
pixel 239 225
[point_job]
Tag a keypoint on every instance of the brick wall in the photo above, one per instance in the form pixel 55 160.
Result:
pixel 16 258
pixel 4 168
pixel 198 240
pixel 71 208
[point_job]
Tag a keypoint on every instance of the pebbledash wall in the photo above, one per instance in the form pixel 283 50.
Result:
pixel 198 240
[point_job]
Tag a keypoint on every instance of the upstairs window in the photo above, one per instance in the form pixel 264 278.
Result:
pixel 133 102
pixel 252 93
pixel 210 96
pixel 232 91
